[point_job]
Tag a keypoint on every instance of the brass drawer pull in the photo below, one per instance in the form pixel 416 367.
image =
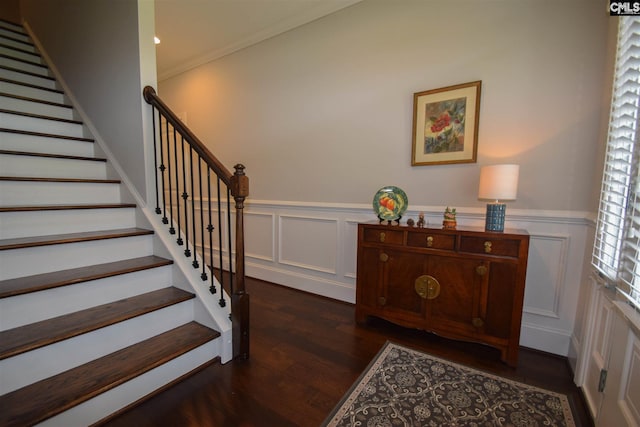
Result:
pixel 382 237
pixel 384 257
pixel 481 270
pixel 429 241
pixel 382 301
pixel 477 322
pixel 487 247
pixel 427 287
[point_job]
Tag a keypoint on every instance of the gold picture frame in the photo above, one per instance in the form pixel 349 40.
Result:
pixel 445 125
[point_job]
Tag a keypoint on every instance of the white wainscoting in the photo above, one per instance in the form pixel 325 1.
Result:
pixel 312 247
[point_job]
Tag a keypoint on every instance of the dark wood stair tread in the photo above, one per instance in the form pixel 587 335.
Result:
pixel 69 180
pixel 46 135
pixel 19 31
pixel 31 85
pixel 53 156
pixel 49 397
pixel 40 116
pixel 39 282
pixel 65 207
pixel 14 39
pixel 19 50
pixel 39 334
pixel 28 73
pixel 36 100
pixel 24 61
pixel 56 239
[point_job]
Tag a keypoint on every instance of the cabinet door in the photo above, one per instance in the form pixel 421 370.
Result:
pixel 369 274
pixel 500 301
pixel 458 308
pixel 399 299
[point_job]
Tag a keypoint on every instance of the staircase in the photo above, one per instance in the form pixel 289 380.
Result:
pixel 92 319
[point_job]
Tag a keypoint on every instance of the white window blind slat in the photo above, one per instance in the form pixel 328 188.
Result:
pixel 616 252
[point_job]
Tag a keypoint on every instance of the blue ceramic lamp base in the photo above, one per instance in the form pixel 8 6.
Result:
pixel 495 217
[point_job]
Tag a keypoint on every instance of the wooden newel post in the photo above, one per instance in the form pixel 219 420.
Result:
pixel 240 298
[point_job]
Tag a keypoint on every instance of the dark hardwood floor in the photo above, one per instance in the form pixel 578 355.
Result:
pixel 306 351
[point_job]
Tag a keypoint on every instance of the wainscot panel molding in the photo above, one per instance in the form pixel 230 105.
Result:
pixel 312 247
pixel 262 229
pixel 549 251
pixel 309 243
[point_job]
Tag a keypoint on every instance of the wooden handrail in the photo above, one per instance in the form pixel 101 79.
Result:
pixel 220 170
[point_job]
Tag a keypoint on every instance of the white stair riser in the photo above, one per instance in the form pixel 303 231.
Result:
pixel 20 65
pixel 53 359
pixel 34 124
pixel 42 223
pixel 44 259
pixel 19 45
pixel 45 144
pixel 51 167
pixel 32 92
pixel 27 78
pixel 4 32
pixel 25 193
pixel 107 403
pixel 19 54
pixel 33 307
pixel 26 106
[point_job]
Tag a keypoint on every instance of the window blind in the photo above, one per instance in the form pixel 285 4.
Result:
pixel 616 250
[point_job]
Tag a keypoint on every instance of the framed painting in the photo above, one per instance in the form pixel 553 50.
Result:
pixel 445 125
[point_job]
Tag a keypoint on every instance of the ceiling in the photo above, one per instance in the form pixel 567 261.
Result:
pixel 193 32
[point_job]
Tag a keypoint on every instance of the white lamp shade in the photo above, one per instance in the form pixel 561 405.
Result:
pixel 499 182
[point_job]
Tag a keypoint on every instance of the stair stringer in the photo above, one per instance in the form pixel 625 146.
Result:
pixel 188 278
pixel 206 309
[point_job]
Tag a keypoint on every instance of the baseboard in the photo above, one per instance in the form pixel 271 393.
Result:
pixel 546 339
pixel 303 282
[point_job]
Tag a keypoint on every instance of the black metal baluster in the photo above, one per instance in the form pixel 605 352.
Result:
pixel 163 168
pixel 193 210
pixel 220 255
pixel 155 156
pixel 177 177
pixel 185 197
pixel 203 276
pixel 172 230
pixel 212 287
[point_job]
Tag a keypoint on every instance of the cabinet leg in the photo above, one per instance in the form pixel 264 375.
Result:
pixel 361 318
pixel 510 357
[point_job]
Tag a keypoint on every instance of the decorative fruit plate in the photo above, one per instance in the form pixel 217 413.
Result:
pixel 389 203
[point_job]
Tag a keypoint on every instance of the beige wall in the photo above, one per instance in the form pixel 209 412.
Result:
pixel 323 113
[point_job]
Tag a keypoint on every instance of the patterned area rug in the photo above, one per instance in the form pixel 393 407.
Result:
pixel 404 387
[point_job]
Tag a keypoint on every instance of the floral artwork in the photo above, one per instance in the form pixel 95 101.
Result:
pixel 445 125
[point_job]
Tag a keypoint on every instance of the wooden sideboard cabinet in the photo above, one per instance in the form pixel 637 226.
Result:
pixel 465 284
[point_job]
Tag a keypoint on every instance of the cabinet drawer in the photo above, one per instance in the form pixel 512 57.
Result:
pixel 431 240
pixel 490 246
pixel 383 236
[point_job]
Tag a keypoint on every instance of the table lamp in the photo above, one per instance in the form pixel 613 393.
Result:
pixel 498 183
